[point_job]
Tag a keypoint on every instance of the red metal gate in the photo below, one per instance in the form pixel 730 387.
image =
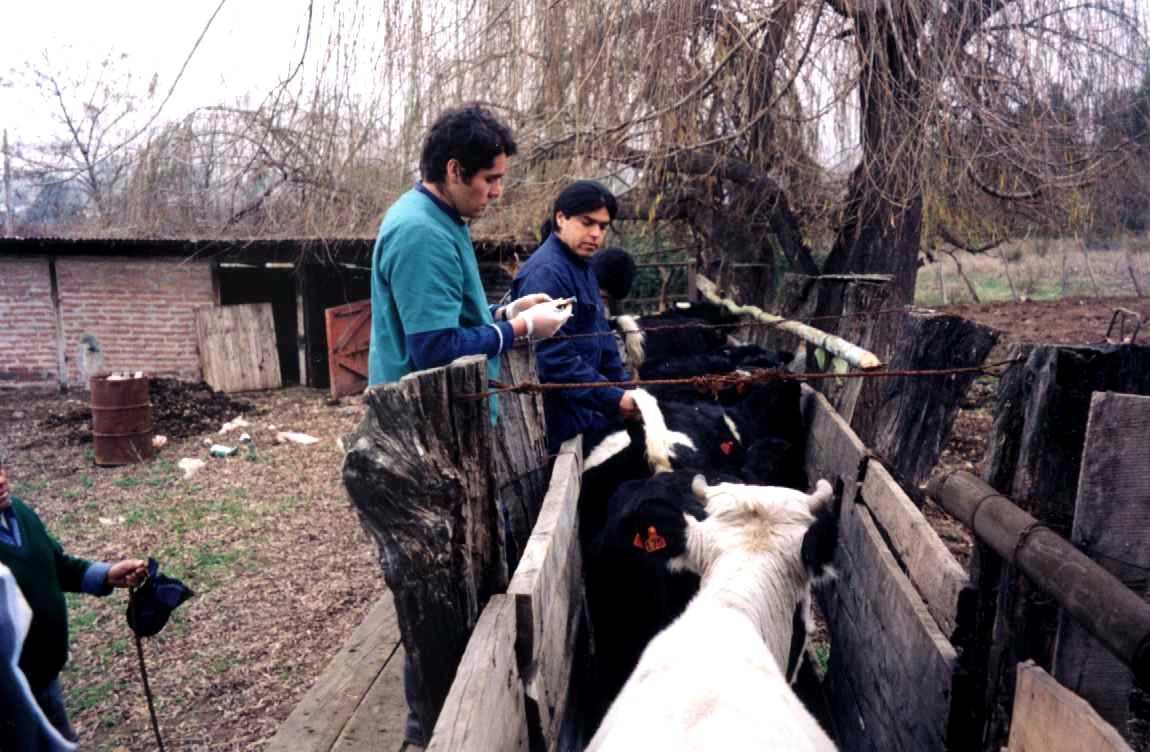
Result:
pixel 348 335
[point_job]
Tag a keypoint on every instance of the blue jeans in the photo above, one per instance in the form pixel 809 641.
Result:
pixel 413 731
pixel 51 700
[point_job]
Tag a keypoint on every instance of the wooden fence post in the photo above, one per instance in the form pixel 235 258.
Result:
pixel 418 471
pixel 907 419
pixel 1111 526
pixel 1034 457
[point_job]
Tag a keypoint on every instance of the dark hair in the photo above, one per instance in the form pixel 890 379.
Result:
pixel 615 270
pixel 469 134
pixel 580 197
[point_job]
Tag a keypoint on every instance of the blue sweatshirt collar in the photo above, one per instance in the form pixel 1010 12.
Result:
pixel 448 210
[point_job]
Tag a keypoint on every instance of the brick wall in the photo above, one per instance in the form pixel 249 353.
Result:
pixel 27 322
pixel 142 312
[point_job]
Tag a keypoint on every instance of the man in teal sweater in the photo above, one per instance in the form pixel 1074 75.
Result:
pixel 44 573
pixel 428 306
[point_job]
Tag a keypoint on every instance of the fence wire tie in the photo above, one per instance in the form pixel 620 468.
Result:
pixel 713 383
pixel 1023 537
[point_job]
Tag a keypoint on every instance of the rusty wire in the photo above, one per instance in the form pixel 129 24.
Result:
pixel 730 325
pixel 713 383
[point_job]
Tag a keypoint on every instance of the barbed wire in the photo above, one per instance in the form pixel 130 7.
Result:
pixel 728 326
pixel 715 382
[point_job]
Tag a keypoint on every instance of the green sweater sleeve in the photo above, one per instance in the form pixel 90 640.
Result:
pixel 69 569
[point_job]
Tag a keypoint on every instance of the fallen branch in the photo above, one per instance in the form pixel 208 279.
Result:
pixel 837 346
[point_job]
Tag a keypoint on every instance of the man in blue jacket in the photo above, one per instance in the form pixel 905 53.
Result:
pixel 586 351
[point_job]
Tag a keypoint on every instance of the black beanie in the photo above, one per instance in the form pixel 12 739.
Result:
pixel 615 270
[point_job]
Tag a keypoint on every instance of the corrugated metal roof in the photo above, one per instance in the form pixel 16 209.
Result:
pixel 342 250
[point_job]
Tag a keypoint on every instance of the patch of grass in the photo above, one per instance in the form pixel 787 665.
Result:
pixel 28 488
pixel 81 615
pixel 115 647
pixel 822 653
pixel 220 664
pixel 128 481
pixel 85 696
pixel 142 516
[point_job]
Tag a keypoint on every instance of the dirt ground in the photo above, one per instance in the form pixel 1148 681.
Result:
pixel 268 540
pixel 1077 321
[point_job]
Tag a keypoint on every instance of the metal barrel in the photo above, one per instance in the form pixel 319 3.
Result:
pixel 121 420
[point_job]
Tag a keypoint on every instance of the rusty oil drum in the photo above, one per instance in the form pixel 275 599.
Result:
pixel 121 420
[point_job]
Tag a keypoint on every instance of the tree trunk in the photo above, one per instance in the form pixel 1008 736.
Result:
pixel 882 226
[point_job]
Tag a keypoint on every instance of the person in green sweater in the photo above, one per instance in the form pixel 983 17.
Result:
pixel 44 573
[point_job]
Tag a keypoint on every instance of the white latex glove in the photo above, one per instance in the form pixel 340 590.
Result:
pixel 544 319
pixel 519 305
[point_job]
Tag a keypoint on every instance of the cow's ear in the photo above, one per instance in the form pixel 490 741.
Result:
pixel 660 534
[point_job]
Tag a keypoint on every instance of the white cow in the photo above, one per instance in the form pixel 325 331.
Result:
pixel 714 679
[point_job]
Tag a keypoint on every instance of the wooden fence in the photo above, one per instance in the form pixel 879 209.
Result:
pixel 450 499
pixel 892 673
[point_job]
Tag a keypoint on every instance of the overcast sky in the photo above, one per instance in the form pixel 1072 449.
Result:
pixel 250 46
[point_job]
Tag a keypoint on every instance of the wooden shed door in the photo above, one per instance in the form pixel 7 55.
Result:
pixel 238 347
pixel 348 335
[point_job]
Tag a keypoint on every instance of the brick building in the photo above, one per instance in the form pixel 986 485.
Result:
pixel 138 299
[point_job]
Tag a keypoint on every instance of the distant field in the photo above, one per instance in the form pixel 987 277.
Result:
pixel 1040 271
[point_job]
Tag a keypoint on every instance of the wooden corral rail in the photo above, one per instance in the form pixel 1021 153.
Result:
pixel 511 691
pixel 357 704
pixel 893 611
pixel 1098 600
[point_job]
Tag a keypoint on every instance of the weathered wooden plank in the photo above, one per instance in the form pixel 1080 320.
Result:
pixel 893 666
pixel 380 720
pixel 520 453
pixel 323 713
pixel 833 451
pixel 1050 718
pixel 906 420
pixel 418 471
pixel 238 347
pixel 1111 526
pixel 938 577
pixel 547 589
pixel 485 709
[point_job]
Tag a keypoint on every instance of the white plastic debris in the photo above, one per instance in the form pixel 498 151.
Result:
pixel 237 422
pixel 245 438
pixel 222 450
pixel 159 441
pixel 109 521
pixel 190 466
pixel 294 437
